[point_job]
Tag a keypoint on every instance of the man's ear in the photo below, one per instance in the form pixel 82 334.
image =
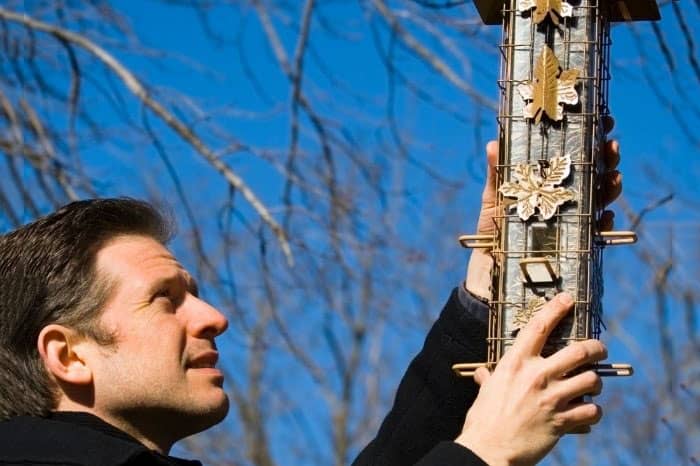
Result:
pixel 61 349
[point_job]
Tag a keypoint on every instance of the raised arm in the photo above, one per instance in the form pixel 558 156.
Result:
pixel 431 402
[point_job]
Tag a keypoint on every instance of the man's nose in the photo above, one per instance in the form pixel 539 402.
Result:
pixel 205 319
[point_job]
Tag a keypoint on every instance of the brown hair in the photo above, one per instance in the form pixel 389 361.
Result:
pixel 48 275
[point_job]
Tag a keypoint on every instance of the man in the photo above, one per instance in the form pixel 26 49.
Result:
pixel 108 356
pixel 100 322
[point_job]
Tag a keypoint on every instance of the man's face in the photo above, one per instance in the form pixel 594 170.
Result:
pixel 159 377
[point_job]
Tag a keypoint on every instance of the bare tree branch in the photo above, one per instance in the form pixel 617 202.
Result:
pixel 434 61
pixel 135 86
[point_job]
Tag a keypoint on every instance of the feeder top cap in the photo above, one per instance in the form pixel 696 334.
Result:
pixel 619 10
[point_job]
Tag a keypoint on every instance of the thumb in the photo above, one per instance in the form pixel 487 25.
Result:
pixel 489 194
pixel 481 376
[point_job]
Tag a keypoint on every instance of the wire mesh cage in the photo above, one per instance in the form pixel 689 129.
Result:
pixel 536 256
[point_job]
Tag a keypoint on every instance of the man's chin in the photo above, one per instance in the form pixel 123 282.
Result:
pixel 212 414
pixel 222 411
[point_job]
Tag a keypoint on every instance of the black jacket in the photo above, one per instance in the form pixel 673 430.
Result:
pixel 428 412
pixel 68 438
pixel 431 402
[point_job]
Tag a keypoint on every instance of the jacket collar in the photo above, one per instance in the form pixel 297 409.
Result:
pixel 75 438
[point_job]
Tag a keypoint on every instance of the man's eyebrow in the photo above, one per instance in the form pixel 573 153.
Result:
pixel 192 286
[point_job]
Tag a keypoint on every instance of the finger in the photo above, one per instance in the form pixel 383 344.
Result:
pixel 481 376
pixel 580 430
pixel 533 336
pixel 611 154
pixel 578 415
pixel 575 355
pixel 608 123
pixel 491 160
pixel 572 389
pixel 607 221
pixel 492 153
pixel 488 197
pixel 598 388
pixel 611 187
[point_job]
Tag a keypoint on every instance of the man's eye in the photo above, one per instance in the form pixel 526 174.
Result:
pixel 164 293
pixel 168 297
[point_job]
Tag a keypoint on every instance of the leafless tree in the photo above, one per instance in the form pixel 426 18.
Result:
pixel 296 143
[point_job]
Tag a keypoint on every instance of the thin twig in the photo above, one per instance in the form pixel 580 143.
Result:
pixel 296 78
pixel 430 58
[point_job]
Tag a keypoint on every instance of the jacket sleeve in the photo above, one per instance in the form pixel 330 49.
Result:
pixel 450 454
pixel 431 401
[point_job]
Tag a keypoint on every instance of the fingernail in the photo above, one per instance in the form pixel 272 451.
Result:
pixel 566 299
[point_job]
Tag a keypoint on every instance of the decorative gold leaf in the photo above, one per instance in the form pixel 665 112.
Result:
pixel 526 207
pixel 550 199
pixel 524 314
pixel 535 187
pixel 550 89
pixel 554 8
pixel 510 189
pixel 567 91
pixel 558 170
pixel 543 89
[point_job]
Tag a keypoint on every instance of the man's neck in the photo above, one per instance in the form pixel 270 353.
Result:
pixel 163 447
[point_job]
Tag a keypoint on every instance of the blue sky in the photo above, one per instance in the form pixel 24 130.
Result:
pixel 658 159
pixel 182 62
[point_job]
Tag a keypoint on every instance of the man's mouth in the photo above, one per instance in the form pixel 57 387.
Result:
pixel 201 365
pixel 205 360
